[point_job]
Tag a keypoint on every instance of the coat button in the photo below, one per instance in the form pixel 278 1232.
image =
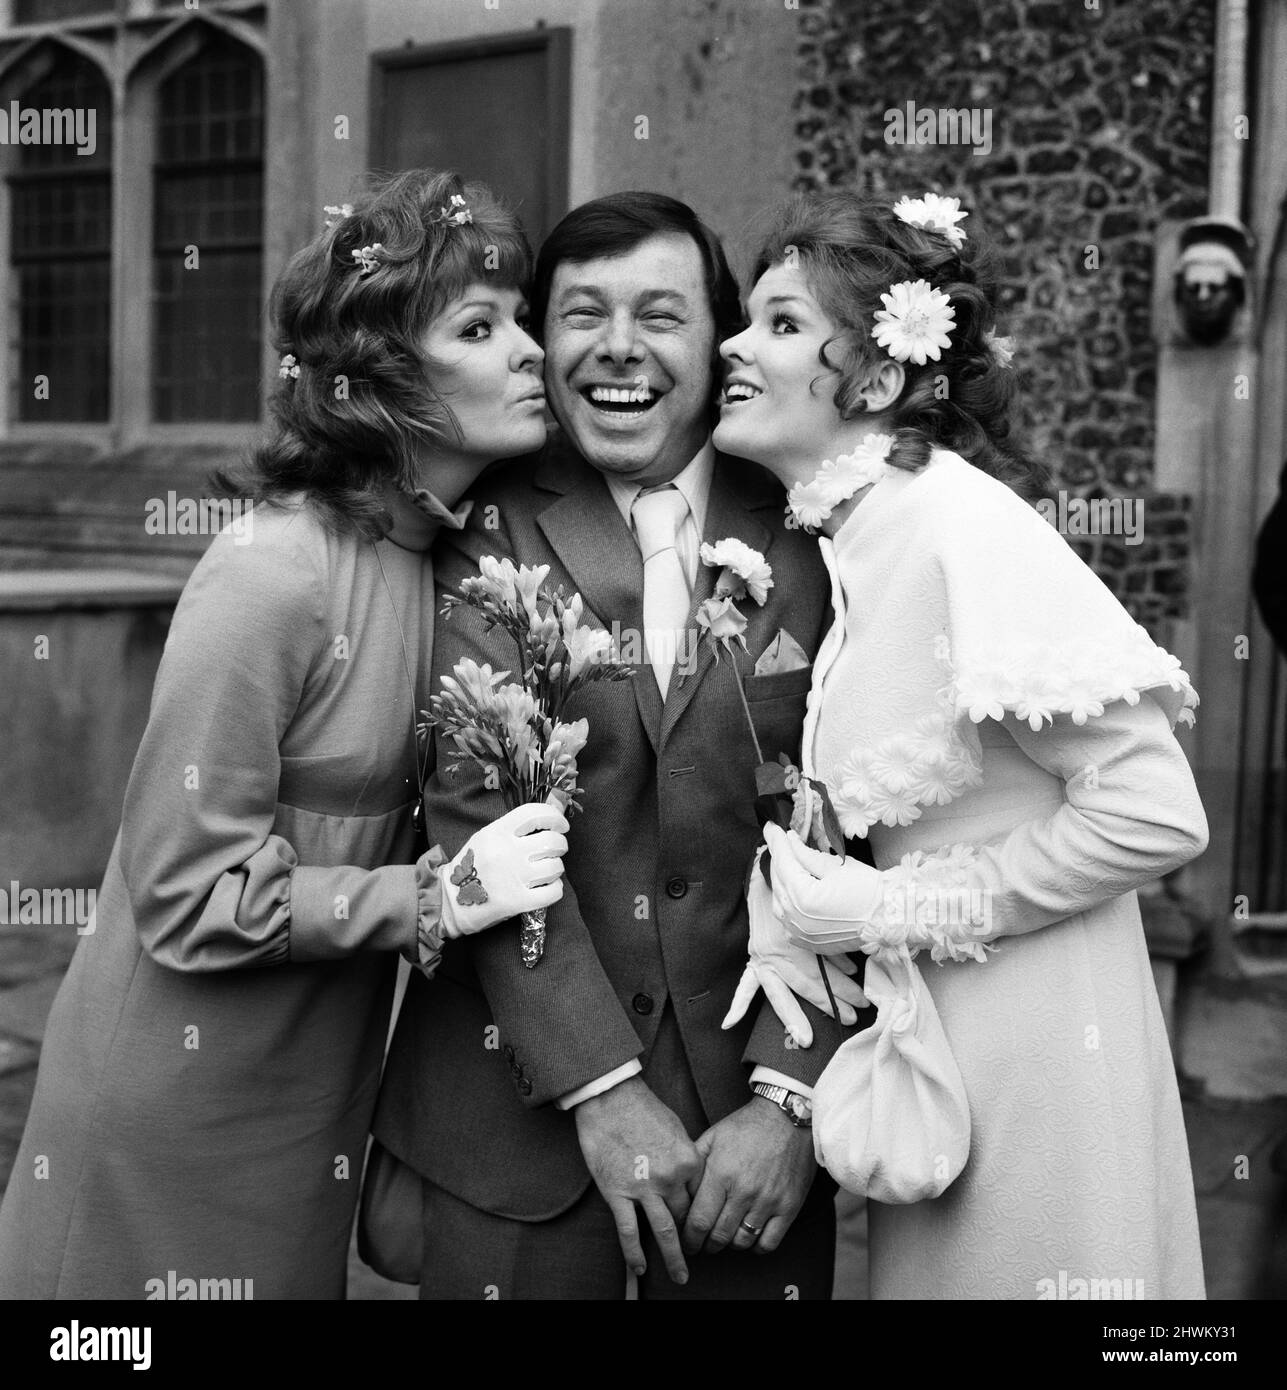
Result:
pixel 509 1053
pixel 525 1087
pixel 642 1003
pixel 676 887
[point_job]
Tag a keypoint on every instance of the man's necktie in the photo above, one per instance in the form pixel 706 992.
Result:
pixel 658 515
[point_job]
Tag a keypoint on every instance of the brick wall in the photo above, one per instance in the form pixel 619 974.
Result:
pixel 1099 131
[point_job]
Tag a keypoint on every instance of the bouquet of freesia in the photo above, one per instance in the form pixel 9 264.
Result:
pixel 516 729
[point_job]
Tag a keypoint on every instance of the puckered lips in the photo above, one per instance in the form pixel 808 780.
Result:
pixel 738 390
pixel 620 398
pixel 533 396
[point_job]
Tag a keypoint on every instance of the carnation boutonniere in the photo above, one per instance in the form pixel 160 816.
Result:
pixel 743 573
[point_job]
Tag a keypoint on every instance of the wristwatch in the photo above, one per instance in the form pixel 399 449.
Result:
pixel 797 1108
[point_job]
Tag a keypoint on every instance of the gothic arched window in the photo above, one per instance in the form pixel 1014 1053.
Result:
pixel 60 247
pixel 208 237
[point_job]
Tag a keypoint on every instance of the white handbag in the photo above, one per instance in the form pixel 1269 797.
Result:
pixel 890 1115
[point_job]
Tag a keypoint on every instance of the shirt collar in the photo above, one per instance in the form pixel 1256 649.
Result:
pixel 693 482
pixel 419 516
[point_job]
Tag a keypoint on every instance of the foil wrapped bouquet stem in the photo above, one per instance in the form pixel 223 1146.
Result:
pixel 516 730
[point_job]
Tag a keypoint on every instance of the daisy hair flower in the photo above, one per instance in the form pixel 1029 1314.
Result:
pixel 1001 348
pixel 934 213
pixel 289 367
pixel 915 322
pixel 336 212
pixel 368 258
pixel 456 212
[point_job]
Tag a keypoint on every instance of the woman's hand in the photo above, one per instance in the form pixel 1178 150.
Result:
pixel 782 970
pixel 511 866
pixel 823 901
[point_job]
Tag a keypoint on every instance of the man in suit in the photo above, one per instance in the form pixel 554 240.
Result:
pixel 543 1107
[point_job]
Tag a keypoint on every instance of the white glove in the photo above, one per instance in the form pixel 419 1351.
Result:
pixel 824 901
pixel 511 866
pixel 782 970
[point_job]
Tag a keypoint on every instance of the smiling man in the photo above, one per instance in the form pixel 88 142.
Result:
pixel 589 1116
pixel 630 338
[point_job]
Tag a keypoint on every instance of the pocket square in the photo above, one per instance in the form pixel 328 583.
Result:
pixel 783 654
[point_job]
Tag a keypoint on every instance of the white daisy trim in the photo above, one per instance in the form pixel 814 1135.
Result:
pixel 889 782
pixel 1079 679
pixel 837 480
pixel 928 905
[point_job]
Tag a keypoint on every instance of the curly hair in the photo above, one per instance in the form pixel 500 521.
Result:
pixel 362 408
pixel 851 249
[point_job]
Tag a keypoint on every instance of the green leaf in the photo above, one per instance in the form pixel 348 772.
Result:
pixel 770 779
pixel 830 821
pixel 766 869
pixel 777 809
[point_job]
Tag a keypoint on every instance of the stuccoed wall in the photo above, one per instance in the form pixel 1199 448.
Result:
pixel 715 80
pixel 688 97
pixel 1100 132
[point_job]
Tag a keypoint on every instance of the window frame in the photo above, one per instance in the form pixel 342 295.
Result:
pixel 137 47
pixel 555 44
pixel 156 168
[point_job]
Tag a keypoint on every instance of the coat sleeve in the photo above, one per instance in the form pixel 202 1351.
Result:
pixel 211 886
pixel 563 1019
pixel 1030 638
pixel 1130 814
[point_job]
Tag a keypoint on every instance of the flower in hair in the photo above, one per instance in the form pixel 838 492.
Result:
pixel 934 213
pixel 913 326
pixel 1001 348
pixel 367 257
pixel 334 214
pixel 289 367
pixel 456 212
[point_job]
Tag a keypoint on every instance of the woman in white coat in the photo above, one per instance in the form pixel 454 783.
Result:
pixel 988 715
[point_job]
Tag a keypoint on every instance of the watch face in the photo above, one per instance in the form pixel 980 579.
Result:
pixel 799 1109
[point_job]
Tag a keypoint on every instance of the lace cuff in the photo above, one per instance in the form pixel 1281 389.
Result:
pixel 929 904
pixel 428 950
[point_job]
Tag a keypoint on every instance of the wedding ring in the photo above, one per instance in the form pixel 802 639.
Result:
pixel 754 1230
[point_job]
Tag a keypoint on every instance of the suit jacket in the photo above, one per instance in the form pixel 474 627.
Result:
pixel 651 933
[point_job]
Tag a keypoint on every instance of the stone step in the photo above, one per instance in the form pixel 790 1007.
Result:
pixel 1233 1037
